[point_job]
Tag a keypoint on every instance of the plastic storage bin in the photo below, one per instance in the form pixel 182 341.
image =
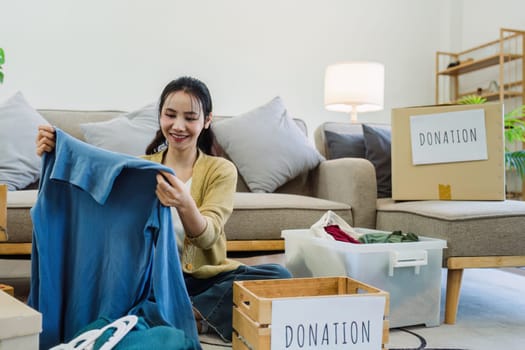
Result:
pixel 410 272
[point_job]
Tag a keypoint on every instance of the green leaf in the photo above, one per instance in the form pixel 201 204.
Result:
pixel 515 125
pixel 471 100
pixel 517 113
pixel 516 160
pixel 2 61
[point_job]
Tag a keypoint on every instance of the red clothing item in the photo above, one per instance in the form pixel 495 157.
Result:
pixel 340 235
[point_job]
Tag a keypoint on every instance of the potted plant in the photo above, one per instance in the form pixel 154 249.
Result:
pixel 2 61
pixel 514 132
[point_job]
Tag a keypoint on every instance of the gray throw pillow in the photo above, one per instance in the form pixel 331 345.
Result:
pixel 377 143
pixel 344 145
pixel 129 133
pixel 19 163
pixel 267 146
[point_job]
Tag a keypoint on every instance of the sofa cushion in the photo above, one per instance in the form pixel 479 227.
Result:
pixel 266 146
pixel 19 224
pixel 377 145
pixel 19 163
pixel 345 145
pixel 264 215
pixel 70 120
pixel 471 228
pixel 129 133
pixel 370 141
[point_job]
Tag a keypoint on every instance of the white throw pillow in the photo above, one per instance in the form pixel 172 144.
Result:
pixel 19 163
pixel 129 133
pixel 267 146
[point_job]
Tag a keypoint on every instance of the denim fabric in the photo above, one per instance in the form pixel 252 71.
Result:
pixel 103 245
pixel 213 297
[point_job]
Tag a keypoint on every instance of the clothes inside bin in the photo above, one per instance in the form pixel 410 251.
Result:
pixel 394 237
pixel 331 226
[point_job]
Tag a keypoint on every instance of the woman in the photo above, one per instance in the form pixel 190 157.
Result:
pixel 201 198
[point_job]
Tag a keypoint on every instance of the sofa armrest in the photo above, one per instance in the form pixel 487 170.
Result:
pixel 351 181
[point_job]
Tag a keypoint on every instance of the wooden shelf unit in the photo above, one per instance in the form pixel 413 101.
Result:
pixel 500 53
pixel 474 65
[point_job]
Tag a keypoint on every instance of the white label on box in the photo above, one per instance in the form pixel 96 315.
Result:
pixel 448 137
pixel 328 323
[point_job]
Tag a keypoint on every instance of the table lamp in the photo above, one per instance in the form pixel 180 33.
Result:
pixel 353 87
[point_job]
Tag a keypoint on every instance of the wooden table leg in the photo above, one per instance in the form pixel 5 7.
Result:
pixel 454 277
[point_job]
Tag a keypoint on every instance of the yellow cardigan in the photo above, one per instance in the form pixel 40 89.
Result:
pixel 213 184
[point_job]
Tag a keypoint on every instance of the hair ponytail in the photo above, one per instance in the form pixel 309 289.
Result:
pixel 157 144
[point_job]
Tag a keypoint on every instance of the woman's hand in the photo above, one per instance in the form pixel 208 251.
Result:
pixel 45 139
pixel 171 191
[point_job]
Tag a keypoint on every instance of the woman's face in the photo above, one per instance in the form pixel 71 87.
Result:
pixel 182 120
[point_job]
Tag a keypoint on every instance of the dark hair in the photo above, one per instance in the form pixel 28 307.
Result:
pixel 198 90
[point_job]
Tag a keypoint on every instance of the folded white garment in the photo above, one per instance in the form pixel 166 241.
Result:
pixel 86 340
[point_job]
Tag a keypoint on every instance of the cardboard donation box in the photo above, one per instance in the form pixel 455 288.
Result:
pixel 309 313
pixel 452 152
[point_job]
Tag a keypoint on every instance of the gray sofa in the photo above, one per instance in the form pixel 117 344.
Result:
pixel 479 234
pixel 257 219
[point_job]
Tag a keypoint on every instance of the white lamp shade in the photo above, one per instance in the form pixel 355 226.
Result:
pixel 359 84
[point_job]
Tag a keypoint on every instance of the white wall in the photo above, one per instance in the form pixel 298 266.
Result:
pixel 118 54
pixel 480 23
pixel 482 20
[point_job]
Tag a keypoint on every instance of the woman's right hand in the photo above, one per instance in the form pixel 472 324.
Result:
pixel 45 140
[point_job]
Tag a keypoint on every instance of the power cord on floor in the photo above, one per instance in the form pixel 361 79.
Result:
pixel 228 345
pixel 423 343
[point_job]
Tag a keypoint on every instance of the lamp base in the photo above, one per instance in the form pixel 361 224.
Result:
pixel 353 114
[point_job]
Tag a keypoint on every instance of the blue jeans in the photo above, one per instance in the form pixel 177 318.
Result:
pixel 213 297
